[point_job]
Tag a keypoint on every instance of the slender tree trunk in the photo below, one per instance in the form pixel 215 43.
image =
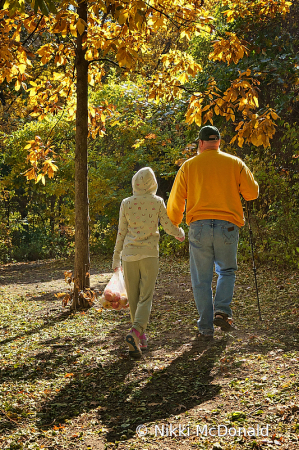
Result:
pixel 52 213
pixel 61 219
pixel 82 259
pixel 8 211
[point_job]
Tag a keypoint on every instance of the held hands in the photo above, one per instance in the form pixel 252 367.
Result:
pixel 181 239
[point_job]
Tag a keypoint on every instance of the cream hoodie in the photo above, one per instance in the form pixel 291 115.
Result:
pixel 139 216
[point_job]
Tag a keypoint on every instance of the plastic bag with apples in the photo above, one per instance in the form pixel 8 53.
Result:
pixel 115 294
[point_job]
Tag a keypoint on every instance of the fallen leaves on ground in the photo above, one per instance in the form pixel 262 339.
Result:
pixel 68 383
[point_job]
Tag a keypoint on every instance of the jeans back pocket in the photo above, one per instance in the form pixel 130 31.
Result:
pixel 230 233
pixel 194 234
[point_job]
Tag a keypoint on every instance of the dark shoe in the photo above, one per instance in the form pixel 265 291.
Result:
pixel 223 321
pixel 133 344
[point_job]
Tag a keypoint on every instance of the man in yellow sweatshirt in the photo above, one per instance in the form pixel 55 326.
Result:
pixel 209 186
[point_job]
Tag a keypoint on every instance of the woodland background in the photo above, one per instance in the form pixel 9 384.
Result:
pixel 131 126
pixel 156 71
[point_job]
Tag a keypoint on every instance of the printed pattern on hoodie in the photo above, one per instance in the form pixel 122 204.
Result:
pixel 139 217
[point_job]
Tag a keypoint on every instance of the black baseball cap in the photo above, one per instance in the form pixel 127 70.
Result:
pixel 208 133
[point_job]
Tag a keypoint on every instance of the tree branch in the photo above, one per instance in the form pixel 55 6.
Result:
pixel 163 14
pixel 64 108
pixel 107 60
pixel 33 32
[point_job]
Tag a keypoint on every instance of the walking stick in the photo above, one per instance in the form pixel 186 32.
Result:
pixel 253 263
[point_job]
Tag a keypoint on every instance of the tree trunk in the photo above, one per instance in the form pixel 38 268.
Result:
pixel 52 213
pixel 82 259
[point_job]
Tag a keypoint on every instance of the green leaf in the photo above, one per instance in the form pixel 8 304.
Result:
pixel 237 415
pixel 45 6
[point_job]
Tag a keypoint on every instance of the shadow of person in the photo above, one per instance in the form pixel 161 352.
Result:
pixel 182 385
pixel 126 393
pixel 85 390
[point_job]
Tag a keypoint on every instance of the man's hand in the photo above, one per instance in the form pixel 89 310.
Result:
pixel 181 239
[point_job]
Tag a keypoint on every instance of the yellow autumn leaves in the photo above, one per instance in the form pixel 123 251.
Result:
pixel 240 97
pixel 42 164
pixel 122 33
pixel 263 9
pixel 257 130
pixel 229 50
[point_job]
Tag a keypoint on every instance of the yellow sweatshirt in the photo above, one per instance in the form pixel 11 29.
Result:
pixel 211 182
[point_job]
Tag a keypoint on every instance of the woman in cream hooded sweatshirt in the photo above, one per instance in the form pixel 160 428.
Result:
pixel 137 244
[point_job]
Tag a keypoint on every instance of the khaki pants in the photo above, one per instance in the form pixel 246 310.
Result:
pixel 140 278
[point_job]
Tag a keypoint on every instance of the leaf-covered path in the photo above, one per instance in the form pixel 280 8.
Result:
pixel 67 382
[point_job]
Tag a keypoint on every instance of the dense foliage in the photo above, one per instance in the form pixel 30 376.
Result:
pixel 244 80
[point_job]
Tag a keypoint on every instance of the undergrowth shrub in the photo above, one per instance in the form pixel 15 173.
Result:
pixel 24 244
pixel 103 237
pixel 274 215
pixel 168 245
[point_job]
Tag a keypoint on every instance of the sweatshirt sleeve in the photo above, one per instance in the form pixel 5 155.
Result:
pixel 177 198
pixel 121 234
pixel 249 188
pixel 166 223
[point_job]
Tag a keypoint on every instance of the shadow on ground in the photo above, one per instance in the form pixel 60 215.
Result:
pixel 183 384
pixel 49 322
pixel 43 271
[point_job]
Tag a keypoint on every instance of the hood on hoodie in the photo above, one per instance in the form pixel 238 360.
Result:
pixel 144 182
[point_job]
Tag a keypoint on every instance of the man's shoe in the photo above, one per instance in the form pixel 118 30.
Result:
pixel 223 321
pixel 133 344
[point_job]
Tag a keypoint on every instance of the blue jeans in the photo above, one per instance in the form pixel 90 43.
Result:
pixel 212 241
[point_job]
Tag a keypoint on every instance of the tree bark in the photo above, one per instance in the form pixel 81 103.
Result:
pixel 52 213
pixel 82 258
